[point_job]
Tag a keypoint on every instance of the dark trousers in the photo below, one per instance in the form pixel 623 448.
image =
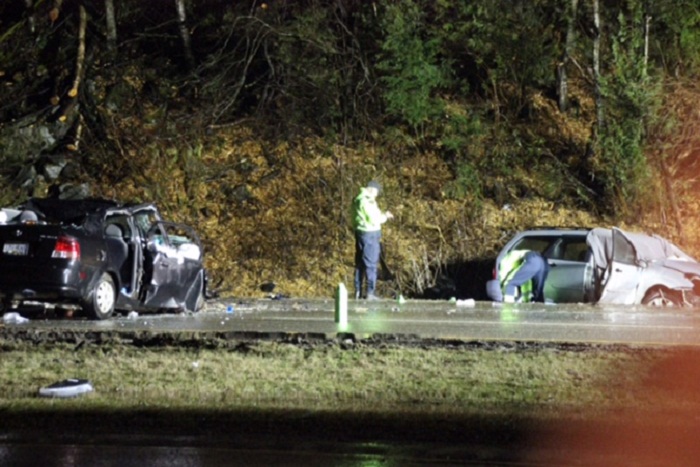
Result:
pixel 367 250
pixel 534 267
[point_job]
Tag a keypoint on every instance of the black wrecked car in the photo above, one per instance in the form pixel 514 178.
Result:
pixel 98 256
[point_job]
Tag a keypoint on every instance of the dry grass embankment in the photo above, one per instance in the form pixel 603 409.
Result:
pixel 280 211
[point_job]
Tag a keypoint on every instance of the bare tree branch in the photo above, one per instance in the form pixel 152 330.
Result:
pixel 31 18
pixel 185 33
pixel 111 25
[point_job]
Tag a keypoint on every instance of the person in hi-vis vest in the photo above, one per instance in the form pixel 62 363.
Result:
pixel 367 220
pixel 524 270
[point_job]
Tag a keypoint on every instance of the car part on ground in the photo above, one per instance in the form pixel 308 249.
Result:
pixel 67 388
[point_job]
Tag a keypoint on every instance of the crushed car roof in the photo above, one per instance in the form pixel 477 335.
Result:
pixel 647 247
pixel 68 210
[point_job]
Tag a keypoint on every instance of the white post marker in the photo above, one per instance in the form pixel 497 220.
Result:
pixel 341 305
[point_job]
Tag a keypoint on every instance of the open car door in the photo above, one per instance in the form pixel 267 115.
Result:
pixel 623 272
pixel 173 267
pixel 569 270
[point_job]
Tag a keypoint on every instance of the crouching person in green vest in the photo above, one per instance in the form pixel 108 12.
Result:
pixel 526 270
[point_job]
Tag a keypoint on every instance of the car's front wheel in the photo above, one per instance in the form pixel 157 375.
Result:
pixel 661 297
pixel 100 303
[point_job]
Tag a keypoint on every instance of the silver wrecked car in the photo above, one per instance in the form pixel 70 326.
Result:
pixel 608 266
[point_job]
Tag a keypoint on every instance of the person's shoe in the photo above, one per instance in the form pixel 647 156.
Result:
pixel 372 297
pixel 358 295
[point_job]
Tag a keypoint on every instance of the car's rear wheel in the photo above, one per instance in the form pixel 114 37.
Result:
pixel 100 303
pixel 661 297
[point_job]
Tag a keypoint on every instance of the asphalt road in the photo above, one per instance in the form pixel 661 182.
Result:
pixel 423 319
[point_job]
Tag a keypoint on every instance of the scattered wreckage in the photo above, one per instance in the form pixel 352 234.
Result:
pixel 98 256
pixel 608 266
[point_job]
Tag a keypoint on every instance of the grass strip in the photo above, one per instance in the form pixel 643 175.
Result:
pixel 331 377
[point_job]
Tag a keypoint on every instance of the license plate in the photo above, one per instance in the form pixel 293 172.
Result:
pixel 15 249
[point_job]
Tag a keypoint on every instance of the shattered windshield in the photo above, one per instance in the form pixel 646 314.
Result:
pixel 145 219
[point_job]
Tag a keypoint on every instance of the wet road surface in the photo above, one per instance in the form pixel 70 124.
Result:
pixel 417 318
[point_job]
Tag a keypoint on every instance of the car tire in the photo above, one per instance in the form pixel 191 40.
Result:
pixel 102 298
pixel 661 297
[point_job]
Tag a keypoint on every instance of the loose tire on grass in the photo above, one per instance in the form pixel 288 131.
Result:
pixel 100 303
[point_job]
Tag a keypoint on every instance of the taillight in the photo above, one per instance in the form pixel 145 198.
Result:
pixel 495 273
pixel 66 248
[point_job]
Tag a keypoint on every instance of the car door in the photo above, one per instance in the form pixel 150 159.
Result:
pixel 119 257
pixel 174 259
pixel 623 273
pixel 569 270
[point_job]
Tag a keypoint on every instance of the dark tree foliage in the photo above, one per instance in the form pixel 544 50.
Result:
pixel 463 78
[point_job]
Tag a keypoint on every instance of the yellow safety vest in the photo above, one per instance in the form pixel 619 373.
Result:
pixel 510 263
pixel 366 215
